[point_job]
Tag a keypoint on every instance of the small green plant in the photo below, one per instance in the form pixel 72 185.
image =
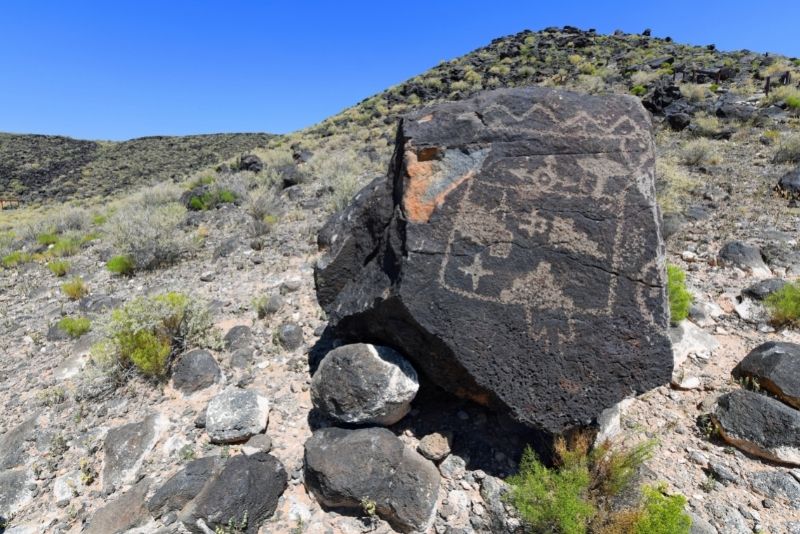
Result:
pixel 15 258
pixel 186 453
pixel 369 507
pixel 121 264
pixel 211 199
pixel 99 219
pixel 47 238
pixel 680 300
pixel 51 396
pixel 638 90
pixel 662 513
pixel 88 473
pixel 233 526
pixel 75 327
pixel 66 246
pixel 784 305
pixel 59 267
pixel 75 289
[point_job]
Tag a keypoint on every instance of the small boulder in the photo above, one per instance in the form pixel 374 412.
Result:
pixel 759 425
pixel 194 371
pixel 122 514
pixel 775 366
pixel 183 486
pixel 13 449
pixel 436 446
pixel 777 485
pixel 245 492
pixel 789 184
pixel 236 414
pixel 126 448
pixel 250 162
pixel 690 340
pixel 14 490
pixel 764 288
pixel 342 467
pixel 743 256
pixel 363 384
pixel 238 337
pixel 290 336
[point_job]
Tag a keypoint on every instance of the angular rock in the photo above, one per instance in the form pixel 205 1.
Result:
pixel 362 383
pixel 789 184
pixel 14 491
pixel 764 288
pixel 183 486
pixel 775 365
pixel 743 256
pixel 127 511
pixel 342 467
pixel 777 485
pixel 513 254
pixel 435 446
pixel 236 414
pixel 250 162
pixel 247 487
pixel 690 340
pixel 126 447
pixel 290 336
pixel 13 448
pixel 759 425
pixel 195 370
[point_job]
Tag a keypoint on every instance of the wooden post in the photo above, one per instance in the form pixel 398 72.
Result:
pixel 766 86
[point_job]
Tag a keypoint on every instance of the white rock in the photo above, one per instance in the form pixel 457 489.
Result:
pixel 235 415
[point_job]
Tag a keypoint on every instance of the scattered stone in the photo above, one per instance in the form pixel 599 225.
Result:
pixel 775 367
pixel 435 446
pixel 126 448
pixel 453 467
pixel 126 512
pixel 236 414
pixel 258 443
pixel 290 336
pixel 194 371
pixel 556 309
pixel 777 485
pixel 701 526
pixel 250 162
pixel 238 337
pixel 764 288
pixel 65 488
pixel 751 311
pixel 759 425
pixel 789 184
pixel 743 256
pixel 364 384
pixel 689 340
pixel 342 467
pixel 722 473
pixel 727 518
pixel 247 488
pixel 183 486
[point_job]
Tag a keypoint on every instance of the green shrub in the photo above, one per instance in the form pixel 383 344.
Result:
pixel 47 238
pixel 66 246
pixel 99 219
pixel 211 199
pixel 226 197
pixel 59 267
pixel 662 513
pixel 784 305
pixel 679 297
pixel 75 288
pixel 146 332
pixel 75 326
pixel 15 258
pixel 638 90
pixel 120 265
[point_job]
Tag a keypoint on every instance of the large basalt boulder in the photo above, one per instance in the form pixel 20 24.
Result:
pixel 343 467
pixel 513 254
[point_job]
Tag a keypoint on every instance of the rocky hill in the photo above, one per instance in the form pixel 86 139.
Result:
pixel 218 391
pixel 40 167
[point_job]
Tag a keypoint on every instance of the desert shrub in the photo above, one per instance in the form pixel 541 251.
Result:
pixel 17 257
pixel 697 152
pixel 784 305
pixel 47 238
pixel 679 297
pixel 574 496
pixel 343 171
pixel 211 199
pixel 706 125
pixel 75 288
pixel 788 150
pixel 120 265
pixel 146 332
pixel 694 92
pixel 662 513
pixel 75 326
pixel 59 267
pixel 149 235
pixel 99 219
pixel 644 78
pixel 639 90
pixel 66 246
pixel 160 194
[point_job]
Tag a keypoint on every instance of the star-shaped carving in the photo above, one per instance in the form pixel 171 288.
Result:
pixel 475 271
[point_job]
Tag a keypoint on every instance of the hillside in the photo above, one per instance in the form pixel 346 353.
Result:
pixel 39 167
pixel 110 419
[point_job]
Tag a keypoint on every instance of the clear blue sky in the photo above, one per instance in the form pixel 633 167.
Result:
pixel 120 69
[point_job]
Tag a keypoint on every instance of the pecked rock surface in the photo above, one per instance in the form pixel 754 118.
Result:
pixel 513 254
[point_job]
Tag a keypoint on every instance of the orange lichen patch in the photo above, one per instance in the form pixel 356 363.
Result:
pixel 423 191
pixel 426 118
pixel 478 397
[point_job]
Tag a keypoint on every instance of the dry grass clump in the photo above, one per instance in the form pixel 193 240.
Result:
pixel 788 150
pixel 694 92
pixel 698 152
pixel 707 125
pixel 673 185
pixel 644 78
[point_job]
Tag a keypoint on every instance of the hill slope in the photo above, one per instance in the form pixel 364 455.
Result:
pixel 36 167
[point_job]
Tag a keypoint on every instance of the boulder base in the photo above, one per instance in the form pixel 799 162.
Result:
pixel 513 254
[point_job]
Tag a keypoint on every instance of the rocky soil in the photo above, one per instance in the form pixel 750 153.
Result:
pixel 74 460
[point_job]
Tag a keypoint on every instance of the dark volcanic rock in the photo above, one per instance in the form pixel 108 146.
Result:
pixel 183 486
pixel 789 184
pixel 777 485
pixel 362 383
pixel 759 425
pixel 742 255
pixel 776 367
pixel 195 370
pixel 290 336
pixel 125 512
pixel 251 163
pixel 764 288
pixel 126 446
pixel 343 467
pixel 13 448
pixel 513 254
pixel 247 487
